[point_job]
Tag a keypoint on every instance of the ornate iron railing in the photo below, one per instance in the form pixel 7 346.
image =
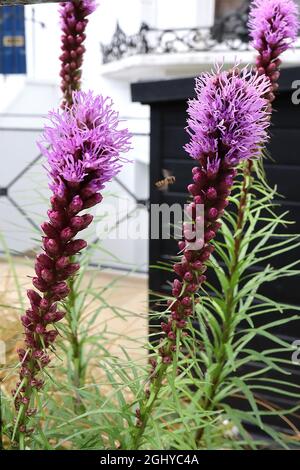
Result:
pixel 229 32
pixel 27 2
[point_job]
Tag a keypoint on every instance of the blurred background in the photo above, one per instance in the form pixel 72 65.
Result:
pixel 132 41
pixel 138 51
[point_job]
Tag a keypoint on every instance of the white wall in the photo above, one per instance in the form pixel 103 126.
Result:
pixel 38 92
pixel 184 14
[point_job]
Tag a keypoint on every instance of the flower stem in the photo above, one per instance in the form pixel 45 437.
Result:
pixel 233 278
pixel 146 409
pixel 78 376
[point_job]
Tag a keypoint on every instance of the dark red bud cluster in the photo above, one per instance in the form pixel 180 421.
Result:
pixel 74 21
pixel 210 188
pixel 268 64
pixel 53 268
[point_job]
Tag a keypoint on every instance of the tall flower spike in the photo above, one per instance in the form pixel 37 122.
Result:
pixel 228 123
pixel 73 24
pixel 273 26
pixel 82 146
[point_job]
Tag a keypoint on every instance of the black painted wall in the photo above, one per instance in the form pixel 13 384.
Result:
pixel 168 102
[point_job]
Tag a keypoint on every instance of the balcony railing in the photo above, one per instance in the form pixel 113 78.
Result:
pixel 229 32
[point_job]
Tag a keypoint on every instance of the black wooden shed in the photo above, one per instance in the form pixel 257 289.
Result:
pixel 168 104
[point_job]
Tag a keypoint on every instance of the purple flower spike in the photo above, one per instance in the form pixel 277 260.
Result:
pixel 227 118
pixel 227 123
pixel 73 24
pixel 85 146
pixel 82 146
pixel 273 25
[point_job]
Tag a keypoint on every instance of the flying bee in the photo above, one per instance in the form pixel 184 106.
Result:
pixel 163 184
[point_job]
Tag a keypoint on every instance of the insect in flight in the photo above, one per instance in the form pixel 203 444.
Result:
pixel 163 184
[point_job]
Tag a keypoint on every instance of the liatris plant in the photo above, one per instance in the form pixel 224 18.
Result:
pixel 228 123
pixel 73 24
pixel 82 146
pixel 273 27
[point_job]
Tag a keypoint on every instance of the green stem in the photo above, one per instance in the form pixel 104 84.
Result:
pixel 147 408
pixel 21 419
pixel 148 402
pixel 78 375
pixel 22 442
pixel 233 278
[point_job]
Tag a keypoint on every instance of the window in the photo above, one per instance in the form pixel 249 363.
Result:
pixel 224 7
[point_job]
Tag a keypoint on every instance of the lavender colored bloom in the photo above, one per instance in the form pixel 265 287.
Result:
pixel 89 6
pixel 83 147
pixel 228 122
pixel 227 118
pixel 273 25
pixel 85 143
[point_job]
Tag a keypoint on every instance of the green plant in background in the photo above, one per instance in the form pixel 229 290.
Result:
pixel 194 396
pixel 93 399
pixel 227 124
pixel 89 415
pixel 273 27
pixel 238 311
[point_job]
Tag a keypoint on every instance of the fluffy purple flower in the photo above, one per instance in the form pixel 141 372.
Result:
pixel 74 20
pixel 89 6
pixel 228 122
pixel 85 143
pixel 227 118
pixel 82 147
pixel 273 25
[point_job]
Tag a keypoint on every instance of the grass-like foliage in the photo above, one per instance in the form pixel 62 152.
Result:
pixel 243 386
pixel 220 392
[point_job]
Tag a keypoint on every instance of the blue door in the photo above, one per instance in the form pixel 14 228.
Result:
pixel 12 40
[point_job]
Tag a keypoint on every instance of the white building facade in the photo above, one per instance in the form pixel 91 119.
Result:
pixel 155 39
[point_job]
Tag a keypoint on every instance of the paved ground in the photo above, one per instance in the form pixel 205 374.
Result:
pixel 119 294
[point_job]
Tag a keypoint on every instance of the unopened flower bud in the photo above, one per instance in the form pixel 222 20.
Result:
pixel 75 247
pixel 62 263
pixel 51 246
pixel 45 261
pixel 192 189
pixel 66 234
pixel 92 201
pixel 60 289
pixel 34 298
pixel 49 230
pixel 80 223
pixel 39 284
pixel 167 360
pixel 186 302
pixel 47 275
pixel 56 218
pixel 75 206
pixel 211 194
